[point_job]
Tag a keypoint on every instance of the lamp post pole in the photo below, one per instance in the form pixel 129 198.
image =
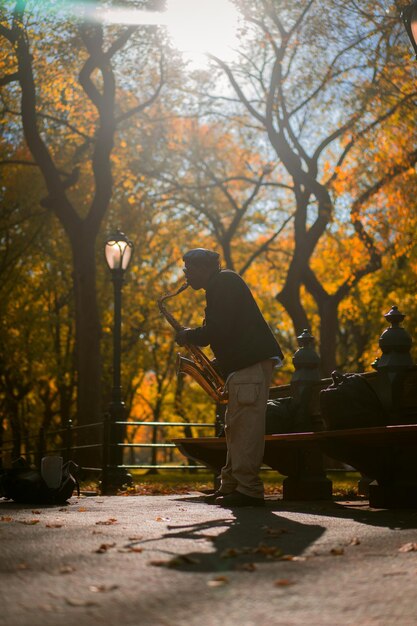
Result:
pixel 118 251
pixel 117 280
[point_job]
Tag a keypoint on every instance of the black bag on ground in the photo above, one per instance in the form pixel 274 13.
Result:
pixel 25 485
pixel 351 402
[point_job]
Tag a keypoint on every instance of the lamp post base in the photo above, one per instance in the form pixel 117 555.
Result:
pixel 114 476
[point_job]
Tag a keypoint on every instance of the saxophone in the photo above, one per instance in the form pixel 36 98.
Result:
pixel 199 365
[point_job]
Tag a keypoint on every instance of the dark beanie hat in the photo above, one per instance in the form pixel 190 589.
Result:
pixel 201 256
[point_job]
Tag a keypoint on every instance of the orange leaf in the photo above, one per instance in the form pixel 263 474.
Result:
pixel 283 582
pixel 104 547
pixel 218 581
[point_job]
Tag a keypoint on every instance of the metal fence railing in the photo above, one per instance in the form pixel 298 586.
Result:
pixel 159 445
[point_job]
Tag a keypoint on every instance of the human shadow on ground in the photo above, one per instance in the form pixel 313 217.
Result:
pixel 357 510
pixel 250 535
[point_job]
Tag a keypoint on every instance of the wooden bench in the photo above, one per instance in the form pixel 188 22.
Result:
pixel 385 454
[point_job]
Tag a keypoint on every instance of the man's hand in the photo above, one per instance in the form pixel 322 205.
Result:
pixel 181 337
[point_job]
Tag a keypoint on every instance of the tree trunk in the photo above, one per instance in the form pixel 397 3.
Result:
pixel 88 332
pixel 328 310
pixel 290 298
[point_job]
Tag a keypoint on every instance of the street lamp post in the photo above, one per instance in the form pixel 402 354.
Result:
pixel 118 253
pixel 409 18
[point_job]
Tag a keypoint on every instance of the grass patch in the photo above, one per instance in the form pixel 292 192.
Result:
pixel 171 482
pixel 345 484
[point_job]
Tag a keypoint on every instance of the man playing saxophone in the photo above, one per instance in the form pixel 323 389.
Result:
pixel 246 352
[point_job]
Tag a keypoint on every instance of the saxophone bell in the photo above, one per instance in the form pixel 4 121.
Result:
pixel 214 388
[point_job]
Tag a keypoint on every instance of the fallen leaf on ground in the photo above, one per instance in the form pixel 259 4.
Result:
pixel 176 561
pixel 131 549
pixel 230 553
pixel 109 522
pixel 161 519
pixel 36 512
pixel 270 552
pixel 354 541
pixel 337 551
pixel 136 538
pixel 218 581
pixel 6 518
pixel 81 509
pixel 182 559
pixel 76 602
pixel 104 547
pixel 408 547
pixel 29 522
pixel 66 569
pixel 246 567
pixel 102 588
pixel 53 525
pixel 291 557
pixel 283 582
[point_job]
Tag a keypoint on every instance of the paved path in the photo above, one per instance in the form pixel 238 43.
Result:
pixel 173 560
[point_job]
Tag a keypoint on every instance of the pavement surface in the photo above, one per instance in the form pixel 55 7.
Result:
pixel 174 560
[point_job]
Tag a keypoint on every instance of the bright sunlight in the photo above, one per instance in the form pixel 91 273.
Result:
pixel 197 28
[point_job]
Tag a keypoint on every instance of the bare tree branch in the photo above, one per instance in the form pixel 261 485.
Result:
pixel 144 105
pixel 237 88
pixel 9 78
pixel 265 246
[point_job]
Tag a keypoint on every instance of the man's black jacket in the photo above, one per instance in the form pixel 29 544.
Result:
pixel 234 326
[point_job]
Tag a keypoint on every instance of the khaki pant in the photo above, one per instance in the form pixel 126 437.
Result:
pixel 245 429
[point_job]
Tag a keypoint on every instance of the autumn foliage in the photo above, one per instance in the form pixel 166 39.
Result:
pixel 296 161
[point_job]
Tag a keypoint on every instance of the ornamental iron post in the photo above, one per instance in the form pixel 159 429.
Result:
pixel 305 382
pixel 395 362
pixel 118 253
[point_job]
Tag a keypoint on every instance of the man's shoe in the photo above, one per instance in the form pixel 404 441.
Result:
pixel 212 497
pixel 237 499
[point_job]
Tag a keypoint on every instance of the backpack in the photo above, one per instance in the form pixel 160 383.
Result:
pixel 25 485
pixel 351 402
